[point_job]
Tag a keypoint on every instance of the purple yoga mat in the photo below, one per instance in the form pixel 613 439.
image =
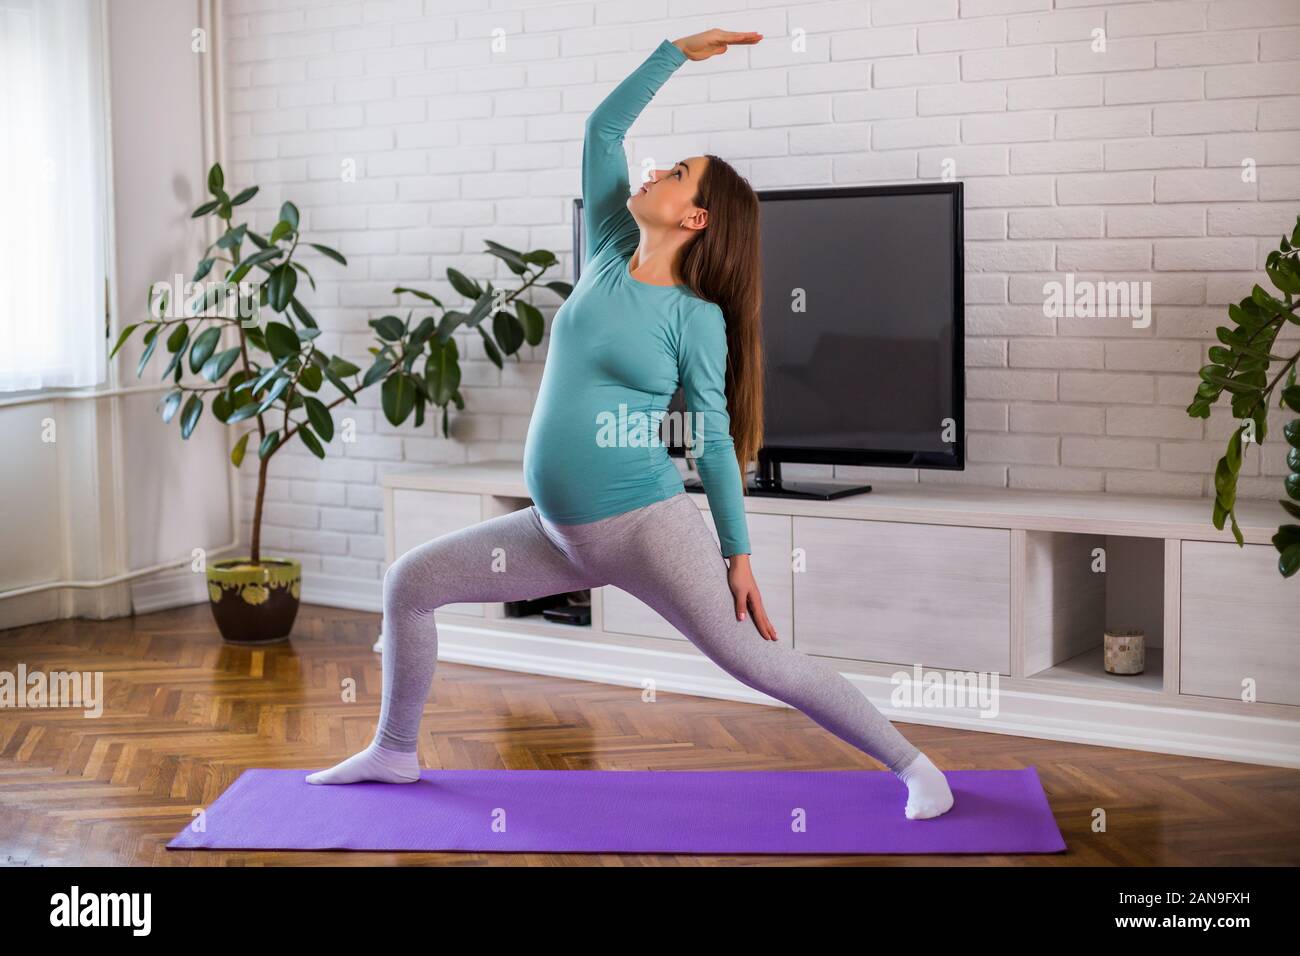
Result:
pixel 627 811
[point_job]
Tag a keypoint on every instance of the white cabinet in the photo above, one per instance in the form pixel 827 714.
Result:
pixel 1241 622
pixel 903 593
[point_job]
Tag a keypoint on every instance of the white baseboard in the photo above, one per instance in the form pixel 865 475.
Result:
pixel 169 589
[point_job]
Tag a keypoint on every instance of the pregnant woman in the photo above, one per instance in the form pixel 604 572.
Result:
pixel 668 296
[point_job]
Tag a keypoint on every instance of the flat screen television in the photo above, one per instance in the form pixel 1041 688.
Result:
pixel 863 302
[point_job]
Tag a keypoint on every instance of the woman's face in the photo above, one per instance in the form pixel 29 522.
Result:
pixel 666 197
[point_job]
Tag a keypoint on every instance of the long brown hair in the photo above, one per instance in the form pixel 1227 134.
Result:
pixel 722 265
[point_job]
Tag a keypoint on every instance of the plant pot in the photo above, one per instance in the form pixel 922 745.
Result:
pixel 254 603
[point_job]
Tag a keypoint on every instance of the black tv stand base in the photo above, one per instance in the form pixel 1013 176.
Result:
pixel 816 490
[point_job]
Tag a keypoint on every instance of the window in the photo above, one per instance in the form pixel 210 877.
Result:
pixel 53 194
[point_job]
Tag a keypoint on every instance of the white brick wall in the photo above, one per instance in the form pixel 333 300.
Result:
pixel 1117 165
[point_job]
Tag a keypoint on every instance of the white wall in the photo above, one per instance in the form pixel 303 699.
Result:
pixel 60 505
pixel 1123 164
pixel 178 493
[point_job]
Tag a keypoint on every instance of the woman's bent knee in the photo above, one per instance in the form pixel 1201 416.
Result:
pixel 411 584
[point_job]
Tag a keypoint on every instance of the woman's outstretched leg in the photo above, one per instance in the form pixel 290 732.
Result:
pixel 507 558
pixel 673 564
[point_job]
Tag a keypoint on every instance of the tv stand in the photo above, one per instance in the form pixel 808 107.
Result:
pixel 767 483
pixel 815 490
pixel 951 586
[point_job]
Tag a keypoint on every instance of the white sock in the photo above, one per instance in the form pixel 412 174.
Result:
pixel 928 794
pixel 374 763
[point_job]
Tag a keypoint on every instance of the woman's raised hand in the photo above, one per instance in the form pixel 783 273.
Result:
pixel 701 46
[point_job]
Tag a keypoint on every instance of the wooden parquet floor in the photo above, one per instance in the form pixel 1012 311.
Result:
pixel 185 714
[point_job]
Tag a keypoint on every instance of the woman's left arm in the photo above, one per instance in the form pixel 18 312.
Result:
pixel 701 368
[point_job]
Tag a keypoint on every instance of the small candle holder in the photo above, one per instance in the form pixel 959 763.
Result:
pixel 1124 651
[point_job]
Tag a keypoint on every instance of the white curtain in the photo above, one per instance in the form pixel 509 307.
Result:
pixel 53 194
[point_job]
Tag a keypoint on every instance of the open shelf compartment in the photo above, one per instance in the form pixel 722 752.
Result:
pixel 1078 585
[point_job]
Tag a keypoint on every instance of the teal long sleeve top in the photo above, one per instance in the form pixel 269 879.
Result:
pixel 618 350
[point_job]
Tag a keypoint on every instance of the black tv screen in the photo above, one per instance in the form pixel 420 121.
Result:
pixel 862 325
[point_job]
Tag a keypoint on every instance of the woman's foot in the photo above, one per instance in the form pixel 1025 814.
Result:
pixel 928 794
pixel 374 763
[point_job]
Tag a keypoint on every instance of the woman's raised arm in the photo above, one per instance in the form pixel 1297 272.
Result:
pixel 605 186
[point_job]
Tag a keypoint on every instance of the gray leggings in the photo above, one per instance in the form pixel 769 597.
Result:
pixel 663 554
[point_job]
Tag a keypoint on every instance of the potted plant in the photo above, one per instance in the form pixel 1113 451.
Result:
pixel 267 371
pixel 1241 366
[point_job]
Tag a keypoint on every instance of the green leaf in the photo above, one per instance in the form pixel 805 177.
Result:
pixel 203 347
pixel 289 214
pixel 1225 484
pixel 341 385
pixel 303 269
pixel 152 341
pixel 490 347
pixel 237 453
pixel 204 209
pixel 178 337
pixel 304 316
pixel 533 321
pixel 222 406
pixel 232 238
pixel 481 308
pixel 1288 561
pixel 442 372
pixel 280 285
pixel 389 327
pixel 1292 397
pixel 311 378
pixel 275 391
pixel 329 253
pixel 463 284
pixel 377 371
pixel 509 332
pixel 216 179
pixel 448 324
pixel 311 441
pixel 170 403
pixel 541 257
pixel 190 416
pixel 269 443
pixel 121 339
pixel 282 340
pixel 242 412
pixel 1234 451
pixel 244 196
pixel 397 396
pixel 511 257
pixel 219 364
pixel 341 366
pixel 203 268
pixel 562 289
pixel 319 416
pixel 416 292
